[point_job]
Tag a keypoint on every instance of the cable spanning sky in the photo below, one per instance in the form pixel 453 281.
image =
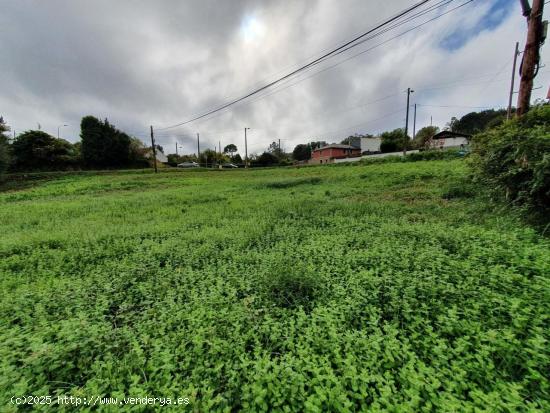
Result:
pixel 139 63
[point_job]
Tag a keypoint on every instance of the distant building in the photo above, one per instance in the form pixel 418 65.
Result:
pixel 448 139
pixel 367 144
pixel 327 154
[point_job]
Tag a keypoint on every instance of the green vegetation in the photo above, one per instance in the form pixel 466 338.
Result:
pixel 37 151
pixel 393 141
pixel 514 161
pixel 476 122
pixel 104 146
pixel 380 287
pixel 4 148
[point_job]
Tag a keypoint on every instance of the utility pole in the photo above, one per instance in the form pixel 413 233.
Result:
pixel 531 53
pixel 279 146
pixel 198 150
pixel 245 149
pixel 176 149
pixel 414 122
pixel 154 149
pixel 409 91
pixel 516 54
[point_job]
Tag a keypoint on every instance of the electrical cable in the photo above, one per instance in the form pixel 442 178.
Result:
pixel 314 62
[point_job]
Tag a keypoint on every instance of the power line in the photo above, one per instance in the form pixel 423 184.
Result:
pixel 432 8
pixel 454 106
pixel 312 63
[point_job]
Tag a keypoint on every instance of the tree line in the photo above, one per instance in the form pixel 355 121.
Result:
pixel 103 146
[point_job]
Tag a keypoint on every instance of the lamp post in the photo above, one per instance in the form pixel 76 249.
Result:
pixel 60 126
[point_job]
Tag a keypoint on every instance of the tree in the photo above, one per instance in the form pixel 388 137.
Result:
pixel 103 145
pixel 173 158
pixel 452 125
pixel 317 144
pixel 236 159
pixel 36 150
pixel 393 141
pixel 267 159
pixel 4 147
pixel 355 139
pixel 274 149
pixel 137 153
pixel 423 136
pixel 476 122
pixel 301 152
pixel 208 156
pixel 230 149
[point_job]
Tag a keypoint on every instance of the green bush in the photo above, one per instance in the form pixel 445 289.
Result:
pixel 430 155
pixel 514 159
pixel 35 150
pixel 434 154
pixel 4 156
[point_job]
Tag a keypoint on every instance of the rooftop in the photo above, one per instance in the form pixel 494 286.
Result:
pixel 448 134
pixel 336 146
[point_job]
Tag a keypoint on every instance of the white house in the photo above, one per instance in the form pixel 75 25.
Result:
pixel 368 145
pixel 448 139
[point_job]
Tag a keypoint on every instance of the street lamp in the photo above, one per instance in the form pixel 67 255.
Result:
pixel 60 126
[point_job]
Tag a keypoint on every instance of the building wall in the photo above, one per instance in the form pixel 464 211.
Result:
pixel 449 142
pixel 370 144
pixel 328 155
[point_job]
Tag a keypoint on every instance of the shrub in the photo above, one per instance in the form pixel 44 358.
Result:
pixel 393 141
pixel 37 151
pixel 514 159
pixel 4 148
pixel 429 155
pixel 266 159
pixel 4 156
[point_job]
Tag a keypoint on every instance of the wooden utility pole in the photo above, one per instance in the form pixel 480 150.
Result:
pixel 176 149
pixel 516 54
pixel 245 149
pixel 531 55
pixel 409 91
pixel 154 149
pixel 414 123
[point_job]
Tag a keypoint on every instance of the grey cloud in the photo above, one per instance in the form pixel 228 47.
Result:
pixel 143 62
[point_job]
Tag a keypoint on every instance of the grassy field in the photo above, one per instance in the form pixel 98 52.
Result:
pixel 386 287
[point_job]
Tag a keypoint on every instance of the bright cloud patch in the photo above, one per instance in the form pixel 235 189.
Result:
pixel 252 29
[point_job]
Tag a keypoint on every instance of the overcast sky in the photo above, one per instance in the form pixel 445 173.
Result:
pixel 160 62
